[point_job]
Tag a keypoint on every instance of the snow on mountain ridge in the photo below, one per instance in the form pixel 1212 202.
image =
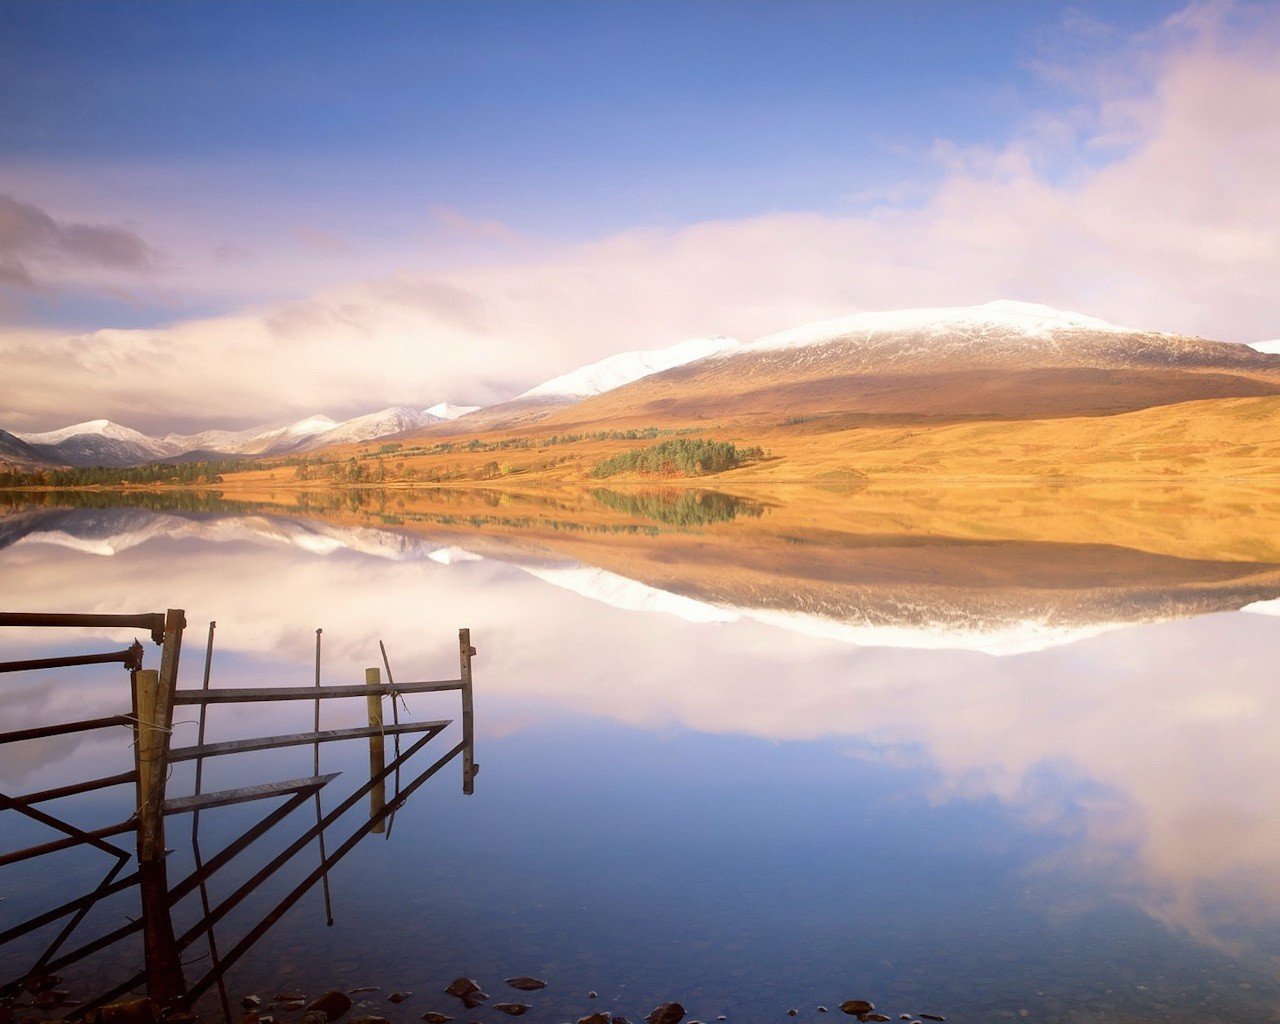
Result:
pixel 625 367
pixel 100 428
pixel 383 423
pixel 1028 319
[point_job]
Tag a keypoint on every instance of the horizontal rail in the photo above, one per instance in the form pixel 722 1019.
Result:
pixel 130 657
pixel 64 729
pixel 152 621
pixel 265 693
pixel 76 788
pixel 263 791
pixel 298 739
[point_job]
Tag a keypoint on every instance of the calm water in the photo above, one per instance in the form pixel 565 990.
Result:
pixel 748 779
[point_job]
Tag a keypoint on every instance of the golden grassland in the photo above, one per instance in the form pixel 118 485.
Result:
pixel 1219 439
pixel 1198 480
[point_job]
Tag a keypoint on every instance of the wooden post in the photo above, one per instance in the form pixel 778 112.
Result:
pixel 153 698
pixel 377 750
pixel 469 767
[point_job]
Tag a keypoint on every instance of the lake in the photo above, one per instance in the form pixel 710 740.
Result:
pixel 1007 755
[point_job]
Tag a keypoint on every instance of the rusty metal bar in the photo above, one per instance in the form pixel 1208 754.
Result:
pixel 130 657
pixel 299 739
pixel 151 621
pixel 469 767
pixel 76 788
pixel 197 857
pixel 53 846
pixel 395 725
pixel 64 729
pixel 245 794
pixel 265 693
pixel 315 761
pixel 75 836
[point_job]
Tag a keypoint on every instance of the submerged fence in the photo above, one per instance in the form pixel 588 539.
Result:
pixel 154 696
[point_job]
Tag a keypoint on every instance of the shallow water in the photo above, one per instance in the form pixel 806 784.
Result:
pixel 987 779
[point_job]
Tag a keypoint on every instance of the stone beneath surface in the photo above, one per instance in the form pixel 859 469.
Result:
pixel 513 1009
pixel 461 987
pixel 133 1011
pixel 666 1013
pixel 526 984
pixel 333 1005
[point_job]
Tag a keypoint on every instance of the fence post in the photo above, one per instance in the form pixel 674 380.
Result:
pixel 153 697
pixel 377 750
pixel 469 766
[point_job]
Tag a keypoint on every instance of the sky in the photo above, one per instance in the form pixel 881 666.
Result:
pixel 218 214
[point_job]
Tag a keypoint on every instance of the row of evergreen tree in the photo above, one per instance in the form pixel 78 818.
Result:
pixel 679 457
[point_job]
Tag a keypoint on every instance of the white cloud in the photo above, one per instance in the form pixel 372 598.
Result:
pixel 1179 229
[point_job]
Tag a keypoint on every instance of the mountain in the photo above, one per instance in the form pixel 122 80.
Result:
pixel 1270 347
pixel 999 360
pixel 99 443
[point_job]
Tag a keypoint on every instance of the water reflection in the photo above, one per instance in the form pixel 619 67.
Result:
pixel 1120 755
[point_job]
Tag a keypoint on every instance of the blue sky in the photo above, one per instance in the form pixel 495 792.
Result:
pixel 558 118
pixel 482 195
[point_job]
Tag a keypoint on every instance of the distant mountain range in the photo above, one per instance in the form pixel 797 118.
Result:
pixel 1003 359
pixel 105 443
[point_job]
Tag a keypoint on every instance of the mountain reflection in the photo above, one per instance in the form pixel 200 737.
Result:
pixel 1127 714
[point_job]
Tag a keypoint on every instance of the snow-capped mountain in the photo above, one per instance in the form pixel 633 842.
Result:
pixel 446 411
pixel 1000 359
pixel 99 443
pixel 104 443
pixel 592 380
pixel 615 371
pixel 395 420
pixel 264 440
pixel 1270 347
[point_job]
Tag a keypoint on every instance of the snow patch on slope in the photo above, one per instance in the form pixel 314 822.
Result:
pixel 446 411
pixel 615 371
